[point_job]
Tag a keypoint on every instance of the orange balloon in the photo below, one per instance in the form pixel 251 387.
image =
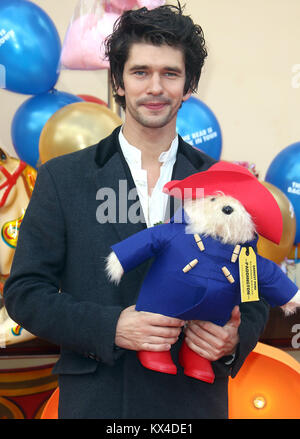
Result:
pixel 274 252
pixel 266 387
pixel 50 410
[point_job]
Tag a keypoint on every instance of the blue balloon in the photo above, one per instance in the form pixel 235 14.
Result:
pixel 30 47
pixel 30 119
pixel 284 173
pixel 198 126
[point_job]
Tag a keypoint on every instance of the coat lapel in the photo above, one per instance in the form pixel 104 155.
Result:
pixel 116 189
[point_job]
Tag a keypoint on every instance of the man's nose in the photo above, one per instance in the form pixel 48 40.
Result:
pixel 155 85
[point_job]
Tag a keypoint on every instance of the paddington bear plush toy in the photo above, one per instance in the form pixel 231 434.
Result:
pixel 205 259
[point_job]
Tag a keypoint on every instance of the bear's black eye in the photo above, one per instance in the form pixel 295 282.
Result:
pixel 213 199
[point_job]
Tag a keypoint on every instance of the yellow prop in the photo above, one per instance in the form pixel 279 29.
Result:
pixel 74 127
pixel 10 232
pixel 17 181
pixel 268 249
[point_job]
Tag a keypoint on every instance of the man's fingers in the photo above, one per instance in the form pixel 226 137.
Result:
pixel 138 330
pixel 161 331
pixel 208 331
pixel 153 343
pixel 204 341
pixel 155 319
pixel 160 347
pixel 208 340
pixel 205 350
pixel 235 318
pixel 159 340
pixel 161 320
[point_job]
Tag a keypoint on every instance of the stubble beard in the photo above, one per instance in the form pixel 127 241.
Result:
pixel 154 120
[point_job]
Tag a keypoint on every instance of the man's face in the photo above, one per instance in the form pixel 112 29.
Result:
pixel 154 79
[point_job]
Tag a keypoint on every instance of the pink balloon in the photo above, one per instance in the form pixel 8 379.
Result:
pixel 150 4
pixel 123 5
pixel 83 48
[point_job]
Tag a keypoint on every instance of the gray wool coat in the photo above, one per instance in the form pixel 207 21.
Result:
pixel 58 291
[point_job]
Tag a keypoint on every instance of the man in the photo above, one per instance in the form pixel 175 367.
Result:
pixel 58 289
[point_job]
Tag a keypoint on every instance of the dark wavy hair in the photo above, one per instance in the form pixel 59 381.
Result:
pixel 162 25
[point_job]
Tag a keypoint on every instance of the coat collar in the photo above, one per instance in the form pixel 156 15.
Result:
pixel 107 147
pixel 188 157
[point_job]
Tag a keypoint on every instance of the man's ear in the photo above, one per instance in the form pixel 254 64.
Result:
pixel 187 95
pixel 117 87
pixel 120 91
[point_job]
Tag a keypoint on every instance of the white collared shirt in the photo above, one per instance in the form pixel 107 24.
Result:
pixel 154 206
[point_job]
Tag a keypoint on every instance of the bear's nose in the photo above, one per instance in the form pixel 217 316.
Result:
pixel 227 210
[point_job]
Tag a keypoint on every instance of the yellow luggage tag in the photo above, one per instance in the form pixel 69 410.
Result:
pixel 248 275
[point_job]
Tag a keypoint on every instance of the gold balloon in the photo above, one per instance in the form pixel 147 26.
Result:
pixel 268 249
pixel 74 127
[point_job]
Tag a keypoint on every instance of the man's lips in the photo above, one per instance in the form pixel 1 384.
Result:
pixel 155 105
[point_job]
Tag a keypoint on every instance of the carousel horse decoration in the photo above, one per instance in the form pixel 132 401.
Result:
pixel 17 181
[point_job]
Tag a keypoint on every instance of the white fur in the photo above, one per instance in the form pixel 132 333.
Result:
pixel 113 268
pixel 291 307
pixel 206 217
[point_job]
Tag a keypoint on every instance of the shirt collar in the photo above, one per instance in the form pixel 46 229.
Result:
pixel 133 154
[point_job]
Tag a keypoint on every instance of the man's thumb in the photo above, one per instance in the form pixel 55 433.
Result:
pixel 235 318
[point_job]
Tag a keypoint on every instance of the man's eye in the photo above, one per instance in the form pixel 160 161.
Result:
pixel 139 73
pixel 170 74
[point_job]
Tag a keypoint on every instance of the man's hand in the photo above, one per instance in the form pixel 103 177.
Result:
pixel 212 341
pixel 139 330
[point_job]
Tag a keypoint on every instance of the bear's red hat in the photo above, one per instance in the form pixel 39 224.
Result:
pixel 239 183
